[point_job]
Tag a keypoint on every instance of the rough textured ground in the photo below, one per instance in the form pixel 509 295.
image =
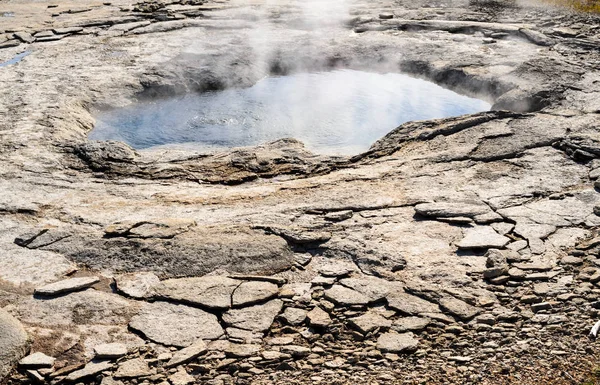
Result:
pixel 462 250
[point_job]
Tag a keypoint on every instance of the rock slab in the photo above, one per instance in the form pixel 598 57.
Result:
pixel 67 286
pixel 176 325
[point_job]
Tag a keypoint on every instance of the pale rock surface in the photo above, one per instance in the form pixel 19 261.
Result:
pixel 176 325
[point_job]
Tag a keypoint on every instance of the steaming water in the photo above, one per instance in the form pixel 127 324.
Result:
pixel 338 112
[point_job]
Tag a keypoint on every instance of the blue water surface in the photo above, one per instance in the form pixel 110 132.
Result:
pixel 337 112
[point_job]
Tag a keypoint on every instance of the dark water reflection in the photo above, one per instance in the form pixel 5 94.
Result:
pixel 338 112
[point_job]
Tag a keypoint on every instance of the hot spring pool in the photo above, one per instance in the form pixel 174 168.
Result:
pixel 336 112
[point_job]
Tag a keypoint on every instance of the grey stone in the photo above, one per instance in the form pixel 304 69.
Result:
pixel 112 350
pixel 482 237
pixel 318 317
pixel 565 32
pixel 88 307
pixel 89 370
pixel 405 324
pixel 344 296
pixel 25 37
pixel 187 354
pixel 495 258
pixel 339 215
pixel 67 30
pixel 451 209
pixel 337 268
pixel 375 289
pixel 458 308
pixel 67 285
pixel 411 305
pixel 37 360
pixel 296 351
pixel 541 306
pixel 369 322
pixel 133 368
pixel 244 336
pixel 46 33
pixel 533 230
pixel 175 325
pixel 242 350
pixel 137 285
pixel 256 318
pixel 252 292
pixel 397 342
pixel 181 377
pixel 214 292
pixel 294 316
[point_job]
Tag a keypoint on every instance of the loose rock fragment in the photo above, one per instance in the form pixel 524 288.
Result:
pixel 67 285
pixel 459 308
pixel 405 324
pixel 369 322
pixel 134 368
pixel 344 296
pixel 294 316
pixel 37 360
pixel 112 350
pixel 397 342
pixel 482 238
pixel 318 317
pixel 91 369
pixel 187 354
pixel 411 305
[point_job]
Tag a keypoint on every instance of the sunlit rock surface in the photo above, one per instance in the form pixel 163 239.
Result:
pixel 274 264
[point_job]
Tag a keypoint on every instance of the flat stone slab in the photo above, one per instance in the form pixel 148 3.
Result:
pixel 37 360
pixel 294 316
pixel 482 237
pixel 342 295
pixel 136 367
pixel 459 308
pixel 411 305
pixel 112 350
pixel 375 289
pixel 256 318
pixel 405 324
pixel 213 292
pixel 176 325
pixel 337 268
pixel 137 285
pixel 187 354
pixel 67 286
pixel 91 369
pixel 242 350
pixel 369 322
pixel 251 292
pixel 397 342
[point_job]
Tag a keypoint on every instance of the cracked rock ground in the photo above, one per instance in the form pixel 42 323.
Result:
pixel 454 251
